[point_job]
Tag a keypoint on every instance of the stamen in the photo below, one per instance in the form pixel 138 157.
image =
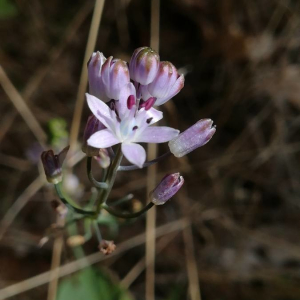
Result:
pixel 149 103
pixel 130 101
pixel 135 128
pixel 141 104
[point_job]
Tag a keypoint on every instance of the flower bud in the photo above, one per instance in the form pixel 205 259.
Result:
pixel 103 158
pixel 52 164
pixel 194 137
pixel 107 247
pixel 59 208
pixel 75 240
pixel 92 125
pixel 115 75
pixel 167 188
pixel 96 86
pixel 144 65
pixel 166 84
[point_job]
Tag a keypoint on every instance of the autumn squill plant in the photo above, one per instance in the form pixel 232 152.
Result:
pixel 124 100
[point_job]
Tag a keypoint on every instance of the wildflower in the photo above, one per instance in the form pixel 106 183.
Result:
pixel 107 247
pixel 167 188
pixel 52 164
pixel 166 84
pixel 92 125
pixel 103 158
pixel 96 85
pixel 196 136
pixel 128 124
pixel 114 75
pixel 144 65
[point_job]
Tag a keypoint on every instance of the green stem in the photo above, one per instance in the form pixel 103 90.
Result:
pixel 122 200
pixel 146 164
pixel 70 203
pixel 97 184
pixel 97 231
pixel 110 179
pixel 127 215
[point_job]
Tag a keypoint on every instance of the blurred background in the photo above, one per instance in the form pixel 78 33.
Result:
pixel 233 231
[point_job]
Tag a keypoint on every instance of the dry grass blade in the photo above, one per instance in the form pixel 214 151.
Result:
pixel 22 200
pixel 55 263
pixel 151 175
pixel 82 263
pixel 20 203
pixel 84 74
pixel 139 267
pixel 191 263
pixel 42 72
pixel 22 108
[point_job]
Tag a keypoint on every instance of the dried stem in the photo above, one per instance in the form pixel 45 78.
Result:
pixel 84 74
pixel 22 108
pixel 84 262
pixel 151 174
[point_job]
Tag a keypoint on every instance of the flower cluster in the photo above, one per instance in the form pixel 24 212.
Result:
pixel 122 98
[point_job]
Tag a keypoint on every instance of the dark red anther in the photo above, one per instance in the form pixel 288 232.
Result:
pixel 149 103
pixel 135 127
pixel 130 101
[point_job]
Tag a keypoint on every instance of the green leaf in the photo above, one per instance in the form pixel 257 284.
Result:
pixel 90 285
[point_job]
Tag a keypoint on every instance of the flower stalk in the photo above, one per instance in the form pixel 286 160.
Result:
pixel 123 99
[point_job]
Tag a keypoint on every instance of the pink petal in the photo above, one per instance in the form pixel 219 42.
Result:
pixel 100 110
pixel 135 153
pixel 159 134
pixel 174 90
pixel 126 91
pixel 103 139
pixel 105 71
pixel 144 118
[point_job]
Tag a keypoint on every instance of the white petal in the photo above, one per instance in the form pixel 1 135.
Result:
pixel 174 90
pixel 159 134
pixel 103 139
pixel 126 91
pixel 145 118
pixel 135 153
pixel 100 110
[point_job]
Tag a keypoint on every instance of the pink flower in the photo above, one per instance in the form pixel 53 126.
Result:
pixel 167 188
pixel 144 65
pixel 194 137
pixel 166 84
pixel 128 124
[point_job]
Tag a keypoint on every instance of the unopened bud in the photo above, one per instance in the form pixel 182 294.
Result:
pixel 52 164
pixel 166 84
pixel 107 247
pixel 144 65
pixel 167 188
pixel 92 125
pixel 194 137
pixel 103 158
pixel 75 240
pixel 115 75
pixel 96 86
pixel 59 208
